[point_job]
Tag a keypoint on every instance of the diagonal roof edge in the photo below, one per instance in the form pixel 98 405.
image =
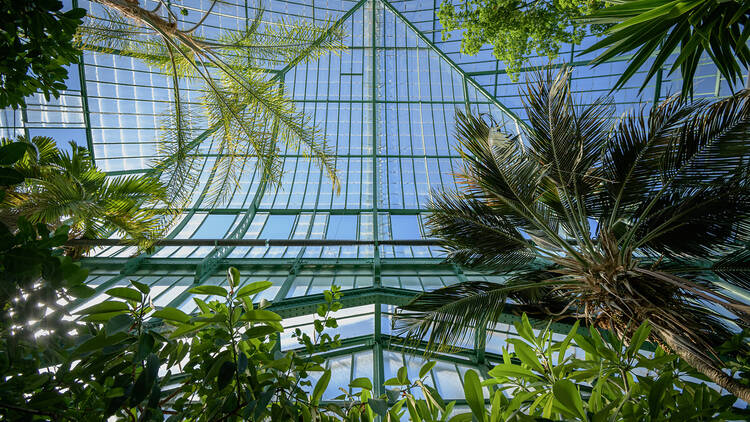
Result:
pixel 453 64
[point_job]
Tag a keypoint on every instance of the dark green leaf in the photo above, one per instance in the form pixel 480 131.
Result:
pixel 209 290
pixel 253 288
pixel 125 293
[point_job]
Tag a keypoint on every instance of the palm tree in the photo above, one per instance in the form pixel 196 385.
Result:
pixel 248 111
pixel 659 28
pixel 63 187
pixel 611 222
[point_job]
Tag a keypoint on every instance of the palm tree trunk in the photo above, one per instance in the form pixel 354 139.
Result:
pixel 704 366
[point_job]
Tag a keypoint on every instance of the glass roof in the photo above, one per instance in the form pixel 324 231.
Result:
pixel 385 105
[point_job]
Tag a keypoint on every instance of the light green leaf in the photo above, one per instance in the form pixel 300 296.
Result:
pixel 473 393
pixel 140 286
pixel 320 387
pixel 104 307
pixel 209 290
pixel 260 315
pixel 253 288
pixel 569 398
pixel 172 314
pixel 363 383
pixel 526 354
pixel 125 293
pixel 233 276
pixel 426 368
pixel 640 336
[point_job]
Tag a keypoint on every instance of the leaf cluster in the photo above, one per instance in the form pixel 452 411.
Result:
pixel 37 42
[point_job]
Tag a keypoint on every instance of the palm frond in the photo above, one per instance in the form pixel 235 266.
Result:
pixel 448 316
pixel 735 268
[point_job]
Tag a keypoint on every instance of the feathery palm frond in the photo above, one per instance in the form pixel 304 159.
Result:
pixel 65 188
pixel 239 96
pixel 661 27
pixel 616 224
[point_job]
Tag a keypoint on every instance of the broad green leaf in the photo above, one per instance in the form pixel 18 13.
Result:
pixel 403 375
pixel 473 393
pixel 140 286
pixel 125 293
pixel 172 314
pixel 253 288
pixel 379 406
pixel 639 337
pixel 10 176
pixel 320 387
pixel 209 290
pixel 260 315
pixel 226 371
pixel 104 307
pixel 81 291
pixel 260 331
pixel 364 383
pixel 426 368
pixel 512 371
pixel 121 322
pixel 233 276
pixel 566 342
pixel 11 153
pixel 202 305
pixel 567 395
pixel 526 354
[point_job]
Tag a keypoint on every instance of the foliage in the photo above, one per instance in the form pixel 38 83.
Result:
pixel 33 272
pixel 61 187
pixel 248 111
pixel 36 41
pixel 644 27
pixel 614 380
pixel 613 223
pixel 516 29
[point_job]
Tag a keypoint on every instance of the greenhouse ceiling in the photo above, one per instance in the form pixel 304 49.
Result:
pixel 386 107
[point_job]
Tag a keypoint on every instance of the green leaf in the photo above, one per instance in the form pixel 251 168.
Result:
pixel 639 337
pixel 172 314
pixel 320 387
pixel 526 354
pixel 125 293
pixel 226 371
pixel 509 370
pixel 81 291
pixel 260 315
pixel 253 288
pixel 379 406
pixel 233 276
pixel 473 393
pixel 9 176
pixel 145 346
pixel 363 383
pixel 11 153
pixel 462 417
pixel 403 376
pixel 209 290
pixel 260 331
pixel 104 307
pixel 140 286
pixel 426 368
pixel 569 398
pixel 121 322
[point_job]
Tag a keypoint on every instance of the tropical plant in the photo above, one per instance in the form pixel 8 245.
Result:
pixel 604 379
pixel 644 27
pixel 64 187
pixel 248 111
pixel 516 29
pixel 646 222
pixel 36 38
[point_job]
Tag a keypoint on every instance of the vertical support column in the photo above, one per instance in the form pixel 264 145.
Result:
pixel 657 88
pixel 85 101
pixel 377 353
pixel 374 93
